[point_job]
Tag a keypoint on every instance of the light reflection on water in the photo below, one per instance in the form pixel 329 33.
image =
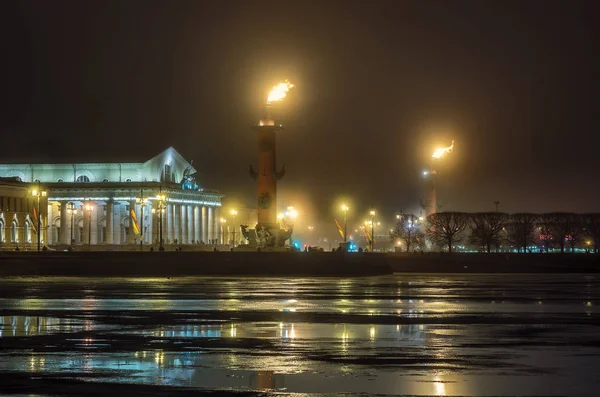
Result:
pixel 313 335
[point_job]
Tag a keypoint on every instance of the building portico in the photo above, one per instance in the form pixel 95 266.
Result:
pixel 117 204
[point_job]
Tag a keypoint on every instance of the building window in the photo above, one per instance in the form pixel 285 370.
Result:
pixel 13 232
pixel 59 180
pixel 83 178
pixel 166 174
pixel 27 232
pixel 105 180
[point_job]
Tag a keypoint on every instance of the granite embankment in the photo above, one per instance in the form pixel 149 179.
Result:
pixel 297 264
pixel 494 263
pixel 162 264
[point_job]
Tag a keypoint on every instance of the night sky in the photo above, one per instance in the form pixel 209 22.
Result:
pixel 378 86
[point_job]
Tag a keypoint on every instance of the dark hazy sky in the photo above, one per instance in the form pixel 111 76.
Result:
pixel 379 84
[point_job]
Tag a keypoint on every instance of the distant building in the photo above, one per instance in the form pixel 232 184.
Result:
pixel 17 222
pixel 112 191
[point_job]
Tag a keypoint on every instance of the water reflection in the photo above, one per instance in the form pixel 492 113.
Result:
pixel 35 325
pixel 416 335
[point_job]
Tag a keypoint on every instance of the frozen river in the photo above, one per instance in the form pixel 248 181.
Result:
pixel 464 335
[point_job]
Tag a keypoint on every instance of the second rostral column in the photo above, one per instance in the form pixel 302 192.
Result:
pixel 268 231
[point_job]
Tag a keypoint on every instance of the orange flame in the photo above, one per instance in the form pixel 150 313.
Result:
pixel 440 152
pixel 279 91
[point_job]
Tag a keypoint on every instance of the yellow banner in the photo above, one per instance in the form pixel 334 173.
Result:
pixel 136 227
pixel 339 228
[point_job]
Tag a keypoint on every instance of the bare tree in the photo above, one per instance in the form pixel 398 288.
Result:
pixel 591 224
pixel 447 228
pixel 521 229
pixel 562 227
pixel 545 227
pixel 407 231
pixel 487 228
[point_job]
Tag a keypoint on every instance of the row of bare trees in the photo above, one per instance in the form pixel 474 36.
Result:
pixel 485 230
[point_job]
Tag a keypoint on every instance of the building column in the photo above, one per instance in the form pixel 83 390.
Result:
pixel 197 227
pixel 191 224
pixel 148 224
pixel 154 228
pixel 65 232
pixel 211 224
pixel 45 225
pixel 217 224
pixel 95 219
pixel 109 222
pixel 86 224
pixel 117 208
pixel 184 224
pixel 176 223
pixel 170 229
pixel 204 225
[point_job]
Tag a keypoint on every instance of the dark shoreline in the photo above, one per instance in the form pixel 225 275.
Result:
pixel 203 263
pixel 291 264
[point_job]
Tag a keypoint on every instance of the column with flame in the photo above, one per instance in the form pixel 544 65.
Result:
pixel 267 175
pixel 430 203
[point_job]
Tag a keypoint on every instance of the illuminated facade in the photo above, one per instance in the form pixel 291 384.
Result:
pixel 117 204
pixel 18 211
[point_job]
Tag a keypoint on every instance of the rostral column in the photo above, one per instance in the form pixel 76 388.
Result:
pixel 269 232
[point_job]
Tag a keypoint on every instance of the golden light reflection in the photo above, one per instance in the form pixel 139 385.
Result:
pixel 233 331
pixel 440 387
pixel 159 357
pixel 372 332
pixel 37 363
pixel 279 91
pixel 440 152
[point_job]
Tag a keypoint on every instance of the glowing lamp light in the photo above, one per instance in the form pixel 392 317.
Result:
pixel 440 152
pixel 279 91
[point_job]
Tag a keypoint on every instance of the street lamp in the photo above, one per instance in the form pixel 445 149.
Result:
pixel 39 195
pixel 345 210
pixel 372 213
pixel 160 198
pixel 142 201
pixel 223 221
pixel 89 208
pixel 72 210
pixel 233 214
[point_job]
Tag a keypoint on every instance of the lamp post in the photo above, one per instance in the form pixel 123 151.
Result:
pixel 142 201
pixel 160 198
pixel 372 213
pixel 71 210
pixel 89 208
pixel 39 194
pixel 233 214
pixel 345 209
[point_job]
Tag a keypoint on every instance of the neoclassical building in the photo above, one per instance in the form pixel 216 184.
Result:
pixel 110 203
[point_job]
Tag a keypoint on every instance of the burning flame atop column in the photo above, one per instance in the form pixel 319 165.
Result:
pixel 279 91
pixel 440 152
